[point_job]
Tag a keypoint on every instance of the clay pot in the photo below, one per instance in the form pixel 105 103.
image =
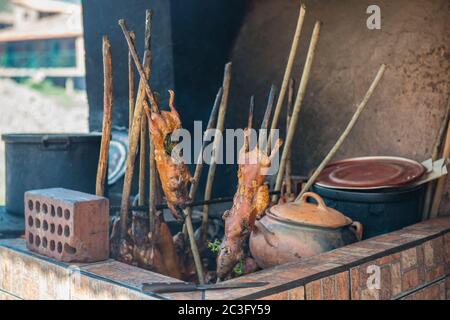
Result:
pixel 291 231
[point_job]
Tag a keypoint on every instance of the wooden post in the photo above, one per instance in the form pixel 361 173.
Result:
pixel 216 144
pixel 288 71
pixel 131 92
pixel 434 157
pixel 441 181
pixel 102 169
pixel 134 133
pixel 347 130
pixel 297 106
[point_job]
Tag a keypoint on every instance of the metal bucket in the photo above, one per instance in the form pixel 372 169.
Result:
pixel 36 161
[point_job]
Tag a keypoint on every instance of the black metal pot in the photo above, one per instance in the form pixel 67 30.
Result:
pixel 380 211
pixel 36 161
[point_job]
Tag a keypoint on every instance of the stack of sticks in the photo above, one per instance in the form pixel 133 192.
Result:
pixel 127 237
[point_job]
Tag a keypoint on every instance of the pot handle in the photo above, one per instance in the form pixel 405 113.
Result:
pixel 266 233
pixel 357 228
pixel 316 197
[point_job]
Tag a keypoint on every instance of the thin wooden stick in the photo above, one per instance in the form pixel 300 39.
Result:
pixel 434 157
pixel 216 144
pixel 440 185
pixel 142 160
pixel 268 112
pixel 131 90
pixel 152 188
pixel 134 133
pixel 297 106
pixel 249 124
pixel 107 118
pixel 200 163
pixel 288 120
pixel 192 193
pixel 139 67
pixel 264 145
pixel 347 130
pixel 288 71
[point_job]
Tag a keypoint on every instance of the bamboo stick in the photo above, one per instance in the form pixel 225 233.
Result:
pixel 263 136
pixel 200 163
pixel 288 120
pixel 440 184
pixel 187 227
pixel 268 112
pixel 249 124
pixel 193 191
pixel 434 157
pixel 134 133
pixel 144 78
pixel 142 160
pixel 288 71
pixel 131 90
pixel 152 188
pixel 297 106
pixel 347 130
pixel 107 118
pixel 216 144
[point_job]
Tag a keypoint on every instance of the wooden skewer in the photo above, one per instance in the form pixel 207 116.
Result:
pixel 347 130
pixel 152 188
pixel 297 106
pixel 441 181
pixel 288 71
pixel 288 120
pixel 131 92
pixel 107 118
pixel 139 67
pixel 142 160
pixel 249 124
pixel 200 163
pixel 134 133
pixel 216 144
pixel 264 145
pixel 268 112
pixel 434 156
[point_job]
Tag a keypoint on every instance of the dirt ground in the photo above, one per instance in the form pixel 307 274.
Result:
pixel 23 109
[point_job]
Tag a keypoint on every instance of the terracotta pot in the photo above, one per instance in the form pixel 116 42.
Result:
pixel 295 230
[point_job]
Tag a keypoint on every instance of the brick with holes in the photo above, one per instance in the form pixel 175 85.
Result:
pixel 67 225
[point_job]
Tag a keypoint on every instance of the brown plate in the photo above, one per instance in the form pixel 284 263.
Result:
pixel 370 173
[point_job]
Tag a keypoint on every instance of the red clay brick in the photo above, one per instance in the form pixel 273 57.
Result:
pixel 410 279
pixel 433 292
pixel 434 273
pixel 313 290
pixel 385 283
pixel 355 284
pixel 67 225
pixel 342 286
pixel 277 296
pixel 409 258
pixel 370 294
pixel 328 288
pixel 396 280
pixel 438 247
pixel 297 293
pixel 428 254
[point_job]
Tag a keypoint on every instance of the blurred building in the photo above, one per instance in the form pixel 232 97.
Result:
pixel 45 40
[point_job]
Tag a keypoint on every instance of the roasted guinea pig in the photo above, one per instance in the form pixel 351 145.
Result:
pixel 250 200
pixel 173 172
